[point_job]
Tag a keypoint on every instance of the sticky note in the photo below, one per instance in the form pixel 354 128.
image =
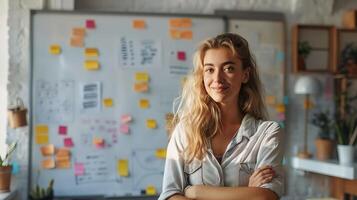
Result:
pixel 91 52
pixel 186 23
pixel 68 142
pixel 175 34
pixel 280 56
pixel 41 129
pixel 286 100
pixel 78 169
pixel 15 168
pixel 126 119
pixel 77 42
pixel 63 152
pixel 151 123
pixel 124 128
pixel 81 32
pixel 48 150
pixel 160 153
pixel 270 100
pixel 280 108
pixel 150 190
pixel 175 23
pixel 142 76
pixel 48 163
pixel 90 24
pixel 55 49
pixel 91 65
pixel 98 143
pixel 42 138
pixel 108 102
pixel 281 116
pixel 139 24
pixel 64 164
pixel 282 124
pixel 144 103
pixel 181 55
pixel 123 167
pixel 141 87
pixel 62 130
pixel 187 35
pixel 308 104
pixel 60 158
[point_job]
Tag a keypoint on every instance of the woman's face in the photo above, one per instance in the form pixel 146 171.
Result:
pixel 223 75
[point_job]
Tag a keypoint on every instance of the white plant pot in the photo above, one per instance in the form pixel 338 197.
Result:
pixel 345 154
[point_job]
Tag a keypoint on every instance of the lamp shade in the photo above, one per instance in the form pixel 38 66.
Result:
pixel 307 85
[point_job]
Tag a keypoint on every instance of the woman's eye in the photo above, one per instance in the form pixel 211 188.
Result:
pixel 229 69
pixel 209 70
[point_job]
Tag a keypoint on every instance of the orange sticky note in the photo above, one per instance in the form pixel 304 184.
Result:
pixel 150 190
pixel 48 150
pixel 175 23
pixel 270 100
pixel 79 32
pixel 187 35
pixel 139 24
pixel 63 152
pixel 60 158
pixel 77 42
pixel 186 23
pixel 142 76
pixel 123 167
pixel 48 163
pixel 160 153
pixel 63 164
pixel 151 123
pixel 91 65
pixel 308 104
pixel 91 52
pixel 108 102
pixel 141 87
pixel 280 108
pixel 144 103
pixel 175 34
pixel 55 49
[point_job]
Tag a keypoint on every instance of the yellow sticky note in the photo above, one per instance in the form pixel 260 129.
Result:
pixel 150 190
pixel 123 168
pixel 186 35
pixel 160 153
pixel 79 32
pixel 48 150
pixel 151 123
pixel 64 164
pixel 41 138
pixel 141 87
pixel 280 108
pixel 175 34
pixel 91 65
pixel 270 100
pixel 139 24
pixel 41 129
pixel 91 52
pixel 77 42
pixel 108 102
pixel 144 103
pixel 55 49
pixel 142 76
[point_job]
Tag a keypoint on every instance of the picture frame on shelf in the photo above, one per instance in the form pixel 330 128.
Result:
pixel 312 48
pixel 346 52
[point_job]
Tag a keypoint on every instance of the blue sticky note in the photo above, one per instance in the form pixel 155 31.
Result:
pixel 15 168
pixel 282 124
pixel 280 56
pixel 286 100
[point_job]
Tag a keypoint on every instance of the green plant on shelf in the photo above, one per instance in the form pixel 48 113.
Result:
pixel 323 121
pixel 39 193
pixel 304 49
pixel 5 161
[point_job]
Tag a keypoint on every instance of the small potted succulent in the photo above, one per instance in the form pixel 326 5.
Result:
pixel 324 142
pixel 6 168
pixel 39 193
pixel 304 49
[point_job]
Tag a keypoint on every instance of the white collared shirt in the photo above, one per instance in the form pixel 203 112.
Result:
pixel 257 143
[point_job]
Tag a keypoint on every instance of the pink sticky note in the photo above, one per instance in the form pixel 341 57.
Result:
pixel 281 116
pixel 90 23
pixel 99 145
pixel 125 119
pixel 181 55
pixel 124 128
pixel 78 169
pixel 62 130
pixel 68 142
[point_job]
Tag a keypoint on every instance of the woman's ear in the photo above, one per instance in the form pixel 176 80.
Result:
pixel 246 73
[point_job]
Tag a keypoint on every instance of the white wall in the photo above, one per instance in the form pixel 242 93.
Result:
pixel 17 75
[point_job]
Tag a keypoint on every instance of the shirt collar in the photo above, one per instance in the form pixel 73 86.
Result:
pixel 247 128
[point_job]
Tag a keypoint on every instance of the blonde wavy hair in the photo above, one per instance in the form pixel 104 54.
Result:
pixel 199 113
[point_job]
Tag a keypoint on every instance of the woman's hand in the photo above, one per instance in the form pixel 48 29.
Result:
pixel 261 176
pixel 191 191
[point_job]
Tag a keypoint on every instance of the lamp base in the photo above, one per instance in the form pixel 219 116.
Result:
pixel 304 154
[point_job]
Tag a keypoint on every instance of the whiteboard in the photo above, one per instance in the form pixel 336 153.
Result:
pixel 265 33
pixel 82 110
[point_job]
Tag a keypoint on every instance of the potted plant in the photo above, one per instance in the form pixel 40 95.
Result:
pixel 304 49
pixel 6 168
pixel 323 142
pixel 348 63
pixel 39 193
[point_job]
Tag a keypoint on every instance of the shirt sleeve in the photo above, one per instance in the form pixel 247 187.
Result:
pixel 271 153
pixel 174 180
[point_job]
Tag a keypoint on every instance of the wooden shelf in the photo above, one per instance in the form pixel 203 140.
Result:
pixel 329 168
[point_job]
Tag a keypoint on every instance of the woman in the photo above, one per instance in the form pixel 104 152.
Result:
pixel 221 147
